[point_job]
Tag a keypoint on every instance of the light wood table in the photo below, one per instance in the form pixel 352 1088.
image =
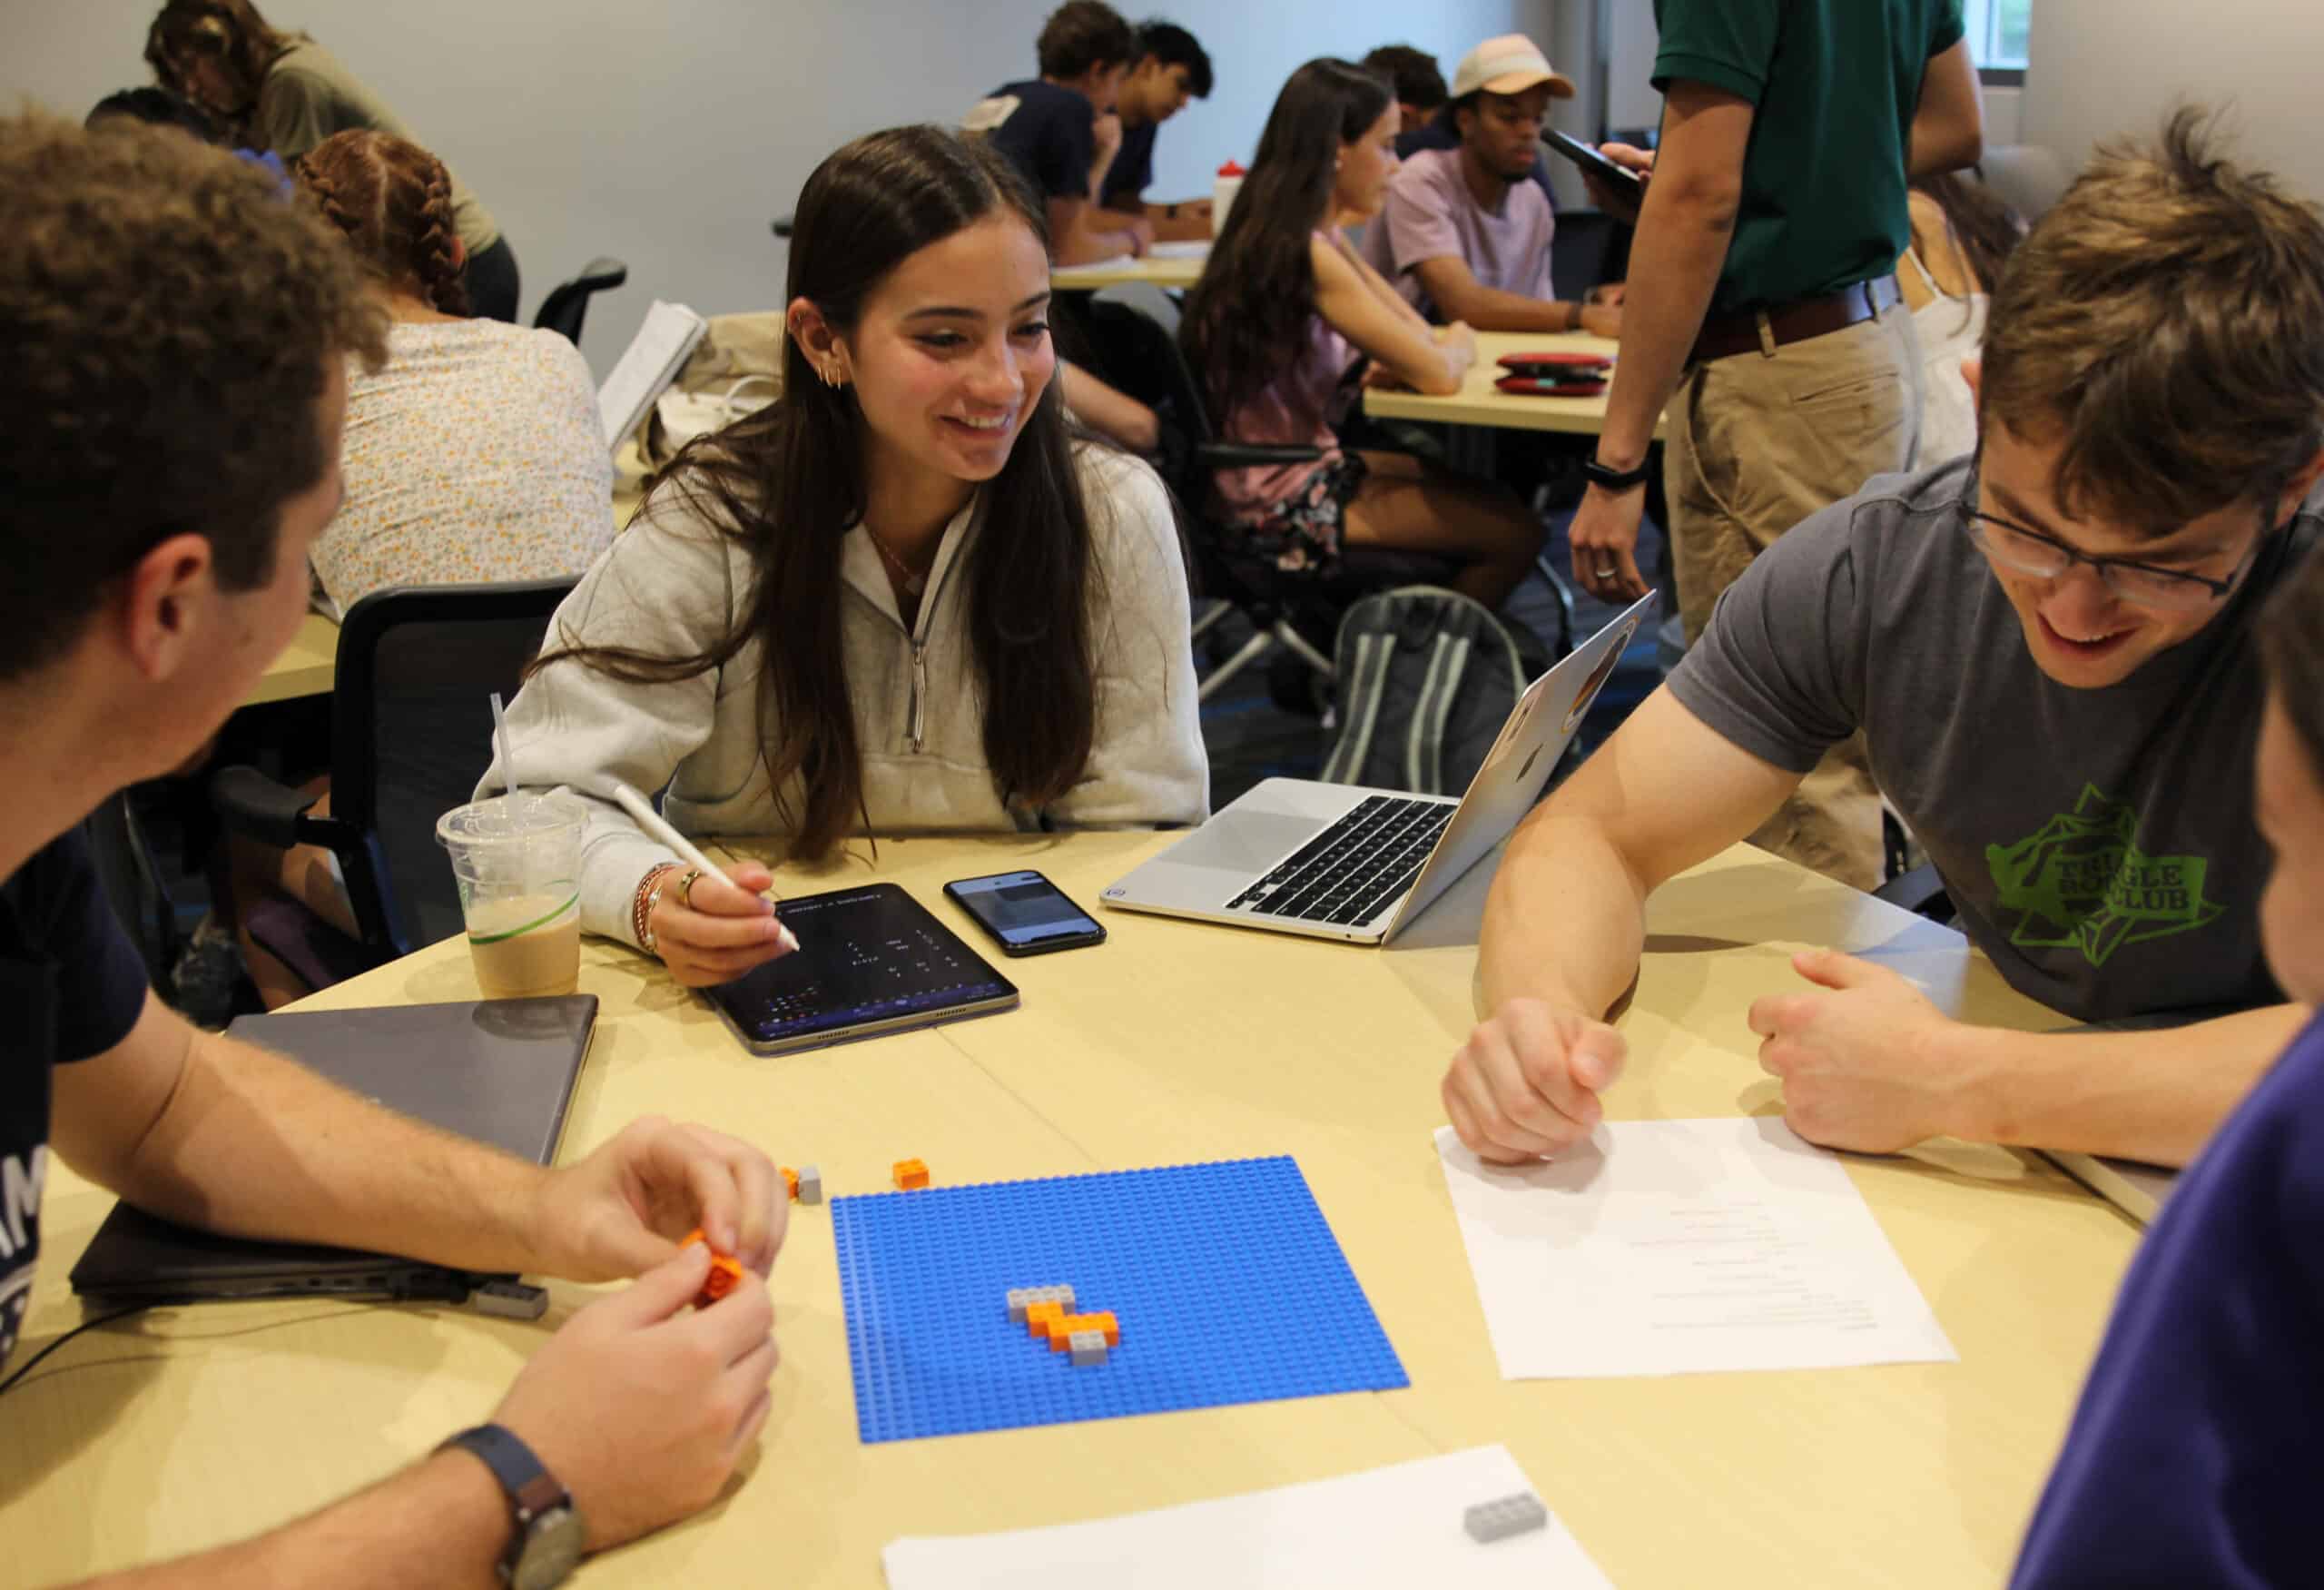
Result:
pixel 1170 270
pixel 307 667
pixel 1478 403
pixel 1175 1041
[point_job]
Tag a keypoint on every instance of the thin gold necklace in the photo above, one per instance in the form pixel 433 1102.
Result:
pixel 914 584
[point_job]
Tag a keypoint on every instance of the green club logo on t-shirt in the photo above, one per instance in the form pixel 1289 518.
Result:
pixel 2082 884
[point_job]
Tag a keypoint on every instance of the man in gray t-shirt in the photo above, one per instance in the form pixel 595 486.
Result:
pixel 2047 649
pixel 2098 844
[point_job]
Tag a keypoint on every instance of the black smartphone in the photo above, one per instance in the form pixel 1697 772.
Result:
pixel 1624 179
pixel 1025 913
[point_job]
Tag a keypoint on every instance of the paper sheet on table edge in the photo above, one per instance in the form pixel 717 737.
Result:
pixel 1548 1556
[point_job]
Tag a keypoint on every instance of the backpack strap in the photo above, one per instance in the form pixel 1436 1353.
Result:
pixel 1360 685
pixel 1425 739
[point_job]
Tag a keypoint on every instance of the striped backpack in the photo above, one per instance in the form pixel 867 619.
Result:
pixel 1426 678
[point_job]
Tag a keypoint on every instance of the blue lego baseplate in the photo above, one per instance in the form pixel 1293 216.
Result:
pixel 1226 1282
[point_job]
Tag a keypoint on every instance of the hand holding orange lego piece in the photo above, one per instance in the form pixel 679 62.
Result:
pixel 726 1273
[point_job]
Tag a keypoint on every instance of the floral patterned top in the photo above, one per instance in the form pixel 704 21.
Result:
pixel 474 454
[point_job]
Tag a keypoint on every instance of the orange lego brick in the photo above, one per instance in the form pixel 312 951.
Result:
pixel 1061 1334
pixel 725 1275
pixel 791 1181
pixel 1042 1318
pixel 911 1175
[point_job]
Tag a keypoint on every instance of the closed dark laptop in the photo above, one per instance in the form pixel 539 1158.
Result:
pixel 499 1071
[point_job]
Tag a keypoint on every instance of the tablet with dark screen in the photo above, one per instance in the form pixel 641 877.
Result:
pixel 870 960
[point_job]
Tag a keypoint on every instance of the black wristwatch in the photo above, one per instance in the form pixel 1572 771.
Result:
pixel 1613 479
pixel 549 1538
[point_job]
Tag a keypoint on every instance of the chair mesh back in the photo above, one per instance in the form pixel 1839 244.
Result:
pixel 429 734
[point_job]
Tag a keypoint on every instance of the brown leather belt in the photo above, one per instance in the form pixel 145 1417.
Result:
pixel 1764 330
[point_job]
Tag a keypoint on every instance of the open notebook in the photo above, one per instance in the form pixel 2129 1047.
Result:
pixel 649 364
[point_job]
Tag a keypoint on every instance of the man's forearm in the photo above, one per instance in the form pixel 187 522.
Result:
pixel 1941 145
pixel 255 1145
pixel 1489 308
pixel 1086 245
pixel 1181 221
pixel 2155 1096
pixel 1565 922
pixel 1948 129
pixel 1675 264
pixel 443 1521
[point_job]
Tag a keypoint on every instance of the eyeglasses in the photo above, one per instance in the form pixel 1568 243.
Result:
pixel 2029 551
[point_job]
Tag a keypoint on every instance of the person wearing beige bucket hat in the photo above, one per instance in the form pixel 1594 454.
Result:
pixel 1511 64
pixel 1465 234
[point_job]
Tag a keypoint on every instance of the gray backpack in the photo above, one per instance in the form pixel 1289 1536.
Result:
pixel 1426 678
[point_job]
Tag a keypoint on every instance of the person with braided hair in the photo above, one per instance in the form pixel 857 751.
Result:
pixel 282 91
pixel 476 453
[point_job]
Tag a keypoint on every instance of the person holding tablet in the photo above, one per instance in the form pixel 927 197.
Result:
pixel 902 599
pixel 1275 327
pixel 183 336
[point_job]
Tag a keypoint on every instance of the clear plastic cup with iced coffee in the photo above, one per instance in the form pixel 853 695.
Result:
pixel 518 859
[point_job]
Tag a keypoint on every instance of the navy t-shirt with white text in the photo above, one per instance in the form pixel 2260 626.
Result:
pixel 71 986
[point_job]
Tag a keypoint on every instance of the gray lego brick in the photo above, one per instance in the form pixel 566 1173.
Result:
pixel 1504 1517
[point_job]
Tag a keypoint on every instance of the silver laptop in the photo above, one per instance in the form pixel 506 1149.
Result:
pixel 1336 861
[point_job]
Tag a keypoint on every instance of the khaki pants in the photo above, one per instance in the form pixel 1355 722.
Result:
pixel 1757 442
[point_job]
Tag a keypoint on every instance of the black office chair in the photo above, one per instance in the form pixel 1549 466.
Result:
pixel 411 734
pixel 131 876
pixel 563 310
pixel 1579 251
pixel 1297 612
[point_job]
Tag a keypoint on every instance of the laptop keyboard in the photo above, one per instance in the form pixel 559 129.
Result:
pixel 1348 872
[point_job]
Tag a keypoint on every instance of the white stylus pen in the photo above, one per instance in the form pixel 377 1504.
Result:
pixel 639 807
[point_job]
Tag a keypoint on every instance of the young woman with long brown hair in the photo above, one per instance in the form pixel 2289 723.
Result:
pixel 282 91
pixel 1274 329
pixel 901 598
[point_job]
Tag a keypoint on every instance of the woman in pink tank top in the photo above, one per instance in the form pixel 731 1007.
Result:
pixel 1277 328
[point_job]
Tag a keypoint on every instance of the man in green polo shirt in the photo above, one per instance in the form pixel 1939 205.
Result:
pixel 1763 312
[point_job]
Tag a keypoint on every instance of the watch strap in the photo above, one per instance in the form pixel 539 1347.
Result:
pixel 1612 479
pixel 532 1490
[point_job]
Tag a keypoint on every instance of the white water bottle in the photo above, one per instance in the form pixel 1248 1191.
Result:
pixel 1222 188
